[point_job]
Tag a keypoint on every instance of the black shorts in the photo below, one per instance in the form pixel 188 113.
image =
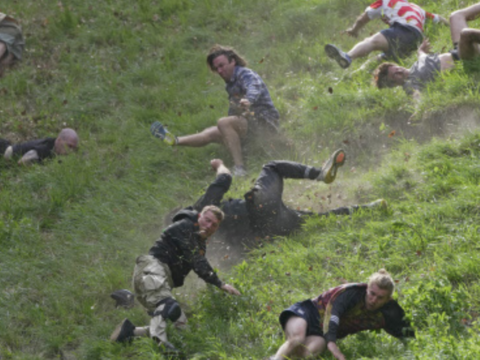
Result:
pixel 307 311
pixel 402 41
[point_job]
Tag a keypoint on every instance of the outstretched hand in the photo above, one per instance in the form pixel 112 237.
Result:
pixel 425 46
pixel 351 32
pixel 230 289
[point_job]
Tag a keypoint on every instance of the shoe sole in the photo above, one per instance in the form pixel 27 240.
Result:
pixel 334 162
pixel 335 53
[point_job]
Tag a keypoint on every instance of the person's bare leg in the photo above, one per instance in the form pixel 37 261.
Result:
pixel 233 128
pixel 468 46
pixel 376 42
pixel 459 19
pixel 295 333
pixel 207 136
pixel 314 345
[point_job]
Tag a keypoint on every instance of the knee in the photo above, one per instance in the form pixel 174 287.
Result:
pixel 171 309
pixel 466 34
pixel 295 341
pixel 457 16
pixel 224 123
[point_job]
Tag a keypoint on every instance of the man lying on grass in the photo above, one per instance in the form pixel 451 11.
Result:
pixel 180 249
pixel 251 111
pixel 311 326
pixel 466 47
pixel 262 212
pixel 37 150
pixel 406 21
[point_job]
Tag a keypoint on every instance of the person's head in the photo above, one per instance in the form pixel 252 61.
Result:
pixel 389 75
pixel 223 59
pixel 66 141
pixel 379 290
pixel 209 220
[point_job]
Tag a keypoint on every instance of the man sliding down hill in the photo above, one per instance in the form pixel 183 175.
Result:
pixel 262 212
pixel 407 22
pixel 11 42
pixel 466 47
pixel 313 325
pixel 251 111
pixel 180 249
pixel 37 150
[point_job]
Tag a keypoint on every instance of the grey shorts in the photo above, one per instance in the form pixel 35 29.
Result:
pixel 11 35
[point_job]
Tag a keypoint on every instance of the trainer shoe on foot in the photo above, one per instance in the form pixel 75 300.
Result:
pixel 338 55
pixel 159 131
pixel 239 171
pixel 377 204
pixel 329 170
pixel 123 332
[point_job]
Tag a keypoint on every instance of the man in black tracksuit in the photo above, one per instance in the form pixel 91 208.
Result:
pixel 180 249
pixel 262 212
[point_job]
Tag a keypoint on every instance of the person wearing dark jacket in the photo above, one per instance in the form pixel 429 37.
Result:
pixel 180 249
pixel 37 150
pixel 262 212
pixel 313 325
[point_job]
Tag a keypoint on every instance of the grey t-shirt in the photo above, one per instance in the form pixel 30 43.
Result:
pixel 421 73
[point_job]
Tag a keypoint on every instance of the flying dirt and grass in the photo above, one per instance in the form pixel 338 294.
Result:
pixel 71 228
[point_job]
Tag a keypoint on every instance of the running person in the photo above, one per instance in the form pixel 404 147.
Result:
pixel 406 21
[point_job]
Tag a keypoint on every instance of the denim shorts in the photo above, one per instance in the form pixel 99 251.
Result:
pixel 402 41
pixel 307 311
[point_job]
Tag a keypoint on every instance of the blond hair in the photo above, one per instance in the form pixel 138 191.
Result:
pixel 383 280
pixel 215 211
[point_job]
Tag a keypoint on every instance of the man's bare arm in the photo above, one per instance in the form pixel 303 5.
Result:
pixel 361 21
pixel 337 354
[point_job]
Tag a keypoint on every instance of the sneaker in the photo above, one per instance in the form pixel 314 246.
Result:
pixel 377 204
pixel 160 132
pixel 329 170
pixel 338 55
pixel 123 332
pixel 239 171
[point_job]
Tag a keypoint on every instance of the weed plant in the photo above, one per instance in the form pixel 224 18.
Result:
pixel 71 228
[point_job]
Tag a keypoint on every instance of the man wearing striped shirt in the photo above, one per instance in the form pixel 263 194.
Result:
pixel 405 33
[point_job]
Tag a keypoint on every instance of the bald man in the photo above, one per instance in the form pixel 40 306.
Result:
pixel 36 150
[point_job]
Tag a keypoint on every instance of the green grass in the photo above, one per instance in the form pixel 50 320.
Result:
pixel 71 228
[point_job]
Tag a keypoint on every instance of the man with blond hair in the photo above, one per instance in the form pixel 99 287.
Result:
pixel 466 46
pixel 251 111
pixel 313 325
pixel 180 249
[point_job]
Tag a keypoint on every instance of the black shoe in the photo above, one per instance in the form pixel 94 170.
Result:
pixel 123 332
pixel 338 55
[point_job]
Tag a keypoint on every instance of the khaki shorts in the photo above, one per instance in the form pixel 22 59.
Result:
pixel 152 281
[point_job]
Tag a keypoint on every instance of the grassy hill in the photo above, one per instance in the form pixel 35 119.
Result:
pixel 71 228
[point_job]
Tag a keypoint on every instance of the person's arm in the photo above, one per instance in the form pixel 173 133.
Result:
pixel 395 322
pixel 361 21
pixel 29 158
pixel 424 48
pixel 217 189
pixel 333 348
pixel 437 18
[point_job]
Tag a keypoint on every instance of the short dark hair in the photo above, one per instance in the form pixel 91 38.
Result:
pixel 380 76
pixel 230 53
